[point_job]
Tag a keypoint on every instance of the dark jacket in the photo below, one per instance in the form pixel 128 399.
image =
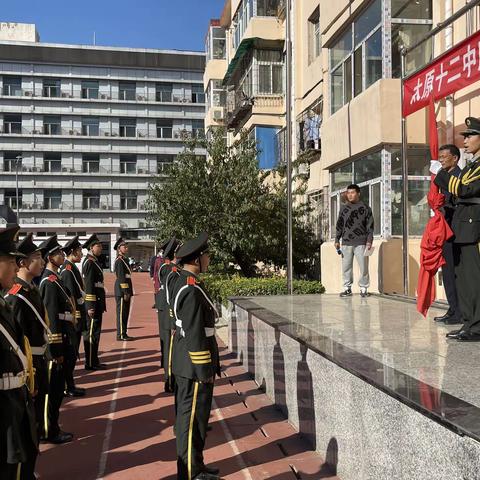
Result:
pixel 355 224
pixel 450 203
pixel 94 288
pixel 72 279
pixel 123 280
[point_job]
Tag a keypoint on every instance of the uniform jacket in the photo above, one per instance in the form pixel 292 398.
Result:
pixel 123 281
pixel 466 191
pixel 94 289
pixel 449 205
pixel 163 272
pixel 72 279
pixel 15 405
pixel 170 282
pixel 195 351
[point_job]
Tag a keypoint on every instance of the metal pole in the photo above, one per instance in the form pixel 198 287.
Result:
pixel 405 188
pixel 288 146
pixel 17 160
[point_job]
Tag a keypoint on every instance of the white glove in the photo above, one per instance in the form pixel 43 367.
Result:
pixel 435 166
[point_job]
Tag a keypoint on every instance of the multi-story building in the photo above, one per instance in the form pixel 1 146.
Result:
pixel 86 129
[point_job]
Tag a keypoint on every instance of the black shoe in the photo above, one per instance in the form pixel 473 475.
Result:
pixel 75 392
pixel 61 437
pixel 90 368
pixel 467 337
pixel 364 294
pixel 212 470
pixel 442 318
pixel 346 293
pixel 454 333
pixel 453 321
pixel 100 366
pixel 206 476
pixel 127 338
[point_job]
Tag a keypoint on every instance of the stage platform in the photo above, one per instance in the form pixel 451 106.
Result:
pixel 373 385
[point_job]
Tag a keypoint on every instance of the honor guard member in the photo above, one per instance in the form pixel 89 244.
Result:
pixel 95 303
pixel 18 436
pixel 28 309
pixel 167 320
pixel 159 263
pixel 195 360
pixel 72 279
pixel 466 228
pixel 60 308
pixel 123 288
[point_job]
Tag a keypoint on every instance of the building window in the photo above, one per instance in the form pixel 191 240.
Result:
pixel 10 198
pixel 90 88
pixel 198 95
pixel 164 163
pixel 417 10
pixel 90 126
pixel 90 163
pixel 163 92
pixel 266 138
pixel 51 87
pixel 164 128
pixel 128 163
pixel 128 200
pixel 217 94
pixel 267 8
pixel 241 20
pixel 52 125
pixel 12 123
pixel 10 160
pixel 198 128
pixel 314 36
pixel 216 43
pixel 91 199
pixel 52 199
pixel 12 86
pixel 270 71
pixel 52 162
pixel 128 127
pixel 127 91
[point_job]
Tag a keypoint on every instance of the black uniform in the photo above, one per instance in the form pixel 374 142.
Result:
pixel 72 279
pixel 60 308
pixel 195 364
pixel 29 311
pixel 123 286
pixel 95 300
pixel 466 227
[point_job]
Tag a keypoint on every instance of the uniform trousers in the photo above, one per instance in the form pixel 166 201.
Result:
pixel 54 398
pixel 91 339
pixel 194 402
pixel 70 357
pixel 167 337
pixel 467 272
pixel 41 384
pixel 449 283
pixel 123 311
pixel 159 319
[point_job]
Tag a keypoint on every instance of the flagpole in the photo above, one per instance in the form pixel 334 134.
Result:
pixel 288 146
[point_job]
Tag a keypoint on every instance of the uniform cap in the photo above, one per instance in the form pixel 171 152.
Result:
pixel 91 241
pixel 121 241
pixel 49 246
pixel 193 248
pixel 71 245
pixel 164 243
pixel 7 242
pixel 473 126
pixel 171 247
pixel 27 247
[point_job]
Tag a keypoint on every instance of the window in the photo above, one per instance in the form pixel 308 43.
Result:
pixel 367 168
pixel 376 194
pixel 10 198
pixel 12 123
pixel 52 162
pixel 127 91
pixel 91 199
pixel 267 8
pixel 418 9
pixel 198 129
pixel 217 94
pixel 52 125
pixel 52 199
pixel 128 127
pixel 164 163
pixel 12 86
pixel 90 163
pixel 128 200
pixel 270 71
pixel 51 87
pixel 266 138
pixel 216 43
pixel 164 128
pixel 241 20
pixel 128 163
pixel 10 161
pixel 91 126
pixel 90 88
pixel 314 36
pixel 198 95
pixel 163 92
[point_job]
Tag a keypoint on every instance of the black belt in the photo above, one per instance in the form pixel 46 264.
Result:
pixel 469 201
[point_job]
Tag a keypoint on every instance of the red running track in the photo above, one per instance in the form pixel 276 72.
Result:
pixel 123 427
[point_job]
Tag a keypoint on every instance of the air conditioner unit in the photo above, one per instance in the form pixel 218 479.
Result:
pixel 141 225
pixel 103 96
pixel 218 114
pixel 64 95
pixel 28 94
pixel 107 134
pixel 140 170
pixel 64 169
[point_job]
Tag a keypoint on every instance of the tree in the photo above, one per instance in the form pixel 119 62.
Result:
pixel 224 193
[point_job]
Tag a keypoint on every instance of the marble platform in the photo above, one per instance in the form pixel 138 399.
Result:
pixel 373 385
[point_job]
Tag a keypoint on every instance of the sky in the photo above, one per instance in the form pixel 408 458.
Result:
pixel 163 24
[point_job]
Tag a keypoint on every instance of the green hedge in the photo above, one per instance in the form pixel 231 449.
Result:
pixel 221 287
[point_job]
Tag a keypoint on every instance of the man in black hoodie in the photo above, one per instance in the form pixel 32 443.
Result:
pixel 355 229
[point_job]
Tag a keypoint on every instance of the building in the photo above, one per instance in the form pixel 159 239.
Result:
pixel 86 129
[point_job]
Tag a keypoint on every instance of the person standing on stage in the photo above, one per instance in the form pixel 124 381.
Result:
pixel 18 435
pixel 466 228
pixel 449 155
pixel 28 309
pixel 60 308
pixel 95 303
pixel 123 289
pixel 195 360
pixel 72 279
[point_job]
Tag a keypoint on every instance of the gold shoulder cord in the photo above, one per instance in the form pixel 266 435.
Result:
pixel 30 369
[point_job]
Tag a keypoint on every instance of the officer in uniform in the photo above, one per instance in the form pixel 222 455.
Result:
pixel 195 360
pixel 28 309
pixel 95 303
pixel 18 436
pixel 123 288
pixel 72 279
pixel 159 262
pixel 466 227
pixel 60 308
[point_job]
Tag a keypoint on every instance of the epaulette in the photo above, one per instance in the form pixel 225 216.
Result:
pixel 15 289
pixel 167 261
pixel 174 269
pixel 52 278
pixel 191 281
pixel 68 267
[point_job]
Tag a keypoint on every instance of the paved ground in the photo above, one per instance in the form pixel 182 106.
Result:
pixel 123 428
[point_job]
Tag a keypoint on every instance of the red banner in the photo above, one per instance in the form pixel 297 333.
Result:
pixel 452 71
